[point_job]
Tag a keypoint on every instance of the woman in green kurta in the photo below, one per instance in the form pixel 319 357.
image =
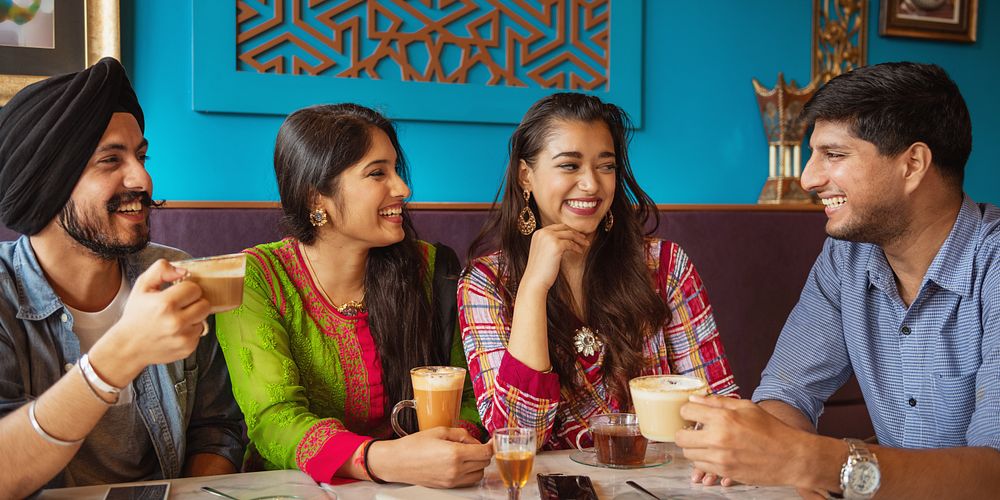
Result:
pixel 315 379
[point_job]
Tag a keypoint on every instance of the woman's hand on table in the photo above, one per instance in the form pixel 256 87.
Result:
pixel 436 458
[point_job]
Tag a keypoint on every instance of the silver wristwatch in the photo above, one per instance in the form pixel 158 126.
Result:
pixel 860 476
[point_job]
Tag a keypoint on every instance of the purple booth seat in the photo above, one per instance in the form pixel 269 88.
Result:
pixel 752 262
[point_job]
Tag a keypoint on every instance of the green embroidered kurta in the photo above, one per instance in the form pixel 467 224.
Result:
pixel 309 379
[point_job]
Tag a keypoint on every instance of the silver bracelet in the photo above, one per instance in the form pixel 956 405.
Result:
pixel 94 391
pixel 94 379
pixel 45 435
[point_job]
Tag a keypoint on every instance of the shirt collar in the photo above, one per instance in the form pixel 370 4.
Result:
pixel 951 267
pixel 880 274
pixel 35 297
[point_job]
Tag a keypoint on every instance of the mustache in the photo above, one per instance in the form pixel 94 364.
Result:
pixel 143 197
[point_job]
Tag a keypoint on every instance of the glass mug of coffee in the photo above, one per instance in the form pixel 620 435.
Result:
pixel 437 397
pixel 617 439
pixel 658 400
pixel 220 279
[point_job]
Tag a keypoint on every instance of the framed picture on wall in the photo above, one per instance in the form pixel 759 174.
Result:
pixel 42 38
pixel 951 20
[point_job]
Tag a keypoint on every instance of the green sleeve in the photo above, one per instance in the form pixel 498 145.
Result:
pixel 264 374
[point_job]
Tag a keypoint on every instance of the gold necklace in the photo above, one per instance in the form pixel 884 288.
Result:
pixel 349 308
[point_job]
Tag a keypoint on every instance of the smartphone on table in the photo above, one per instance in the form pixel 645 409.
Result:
pixel 158 491
pixel 563 487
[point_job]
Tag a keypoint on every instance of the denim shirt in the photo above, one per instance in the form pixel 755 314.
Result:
pixel 187 406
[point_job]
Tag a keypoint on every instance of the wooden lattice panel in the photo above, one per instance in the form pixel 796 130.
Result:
pixel 561 44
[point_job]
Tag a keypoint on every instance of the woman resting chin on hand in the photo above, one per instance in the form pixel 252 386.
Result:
pixel 577 300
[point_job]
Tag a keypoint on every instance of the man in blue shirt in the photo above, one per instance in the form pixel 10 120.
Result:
pixel 905 295
pixel 105 375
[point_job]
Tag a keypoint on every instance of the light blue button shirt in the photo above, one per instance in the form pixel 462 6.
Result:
pixel 930 373
pixel 187 406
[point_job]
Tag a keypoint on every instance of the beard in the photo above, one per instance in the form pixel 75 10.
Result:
pixel 880 224
pixel 93 229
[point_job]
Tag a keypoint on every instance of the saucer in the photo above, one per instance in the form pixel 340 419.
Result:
pixel 656 454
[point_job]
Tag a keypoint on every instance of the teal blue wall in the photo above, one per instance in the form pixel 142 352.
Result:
pixel 701 142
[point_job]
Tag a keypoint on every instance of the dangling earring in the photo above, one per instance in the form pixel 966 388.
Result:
pixel 609 222
pixel 317 217
pixel 526 219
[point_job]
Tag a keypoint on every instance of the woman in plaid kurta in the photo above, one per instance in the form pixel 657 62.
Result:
pixel 569 165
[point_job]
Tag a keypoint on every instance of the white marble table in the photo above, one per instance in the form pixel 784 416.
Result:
pixel 668 481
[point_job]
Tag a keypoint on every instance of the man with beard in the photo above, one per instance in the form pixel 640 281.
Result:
pixel 105 375
pixel 905 295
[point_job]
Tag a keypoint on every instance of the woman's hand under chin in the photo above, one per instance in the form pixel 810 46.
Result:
pixel 548 245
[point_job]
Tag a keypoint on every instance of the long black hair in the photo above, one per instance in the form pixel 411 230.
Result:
pixel 622 305
pixel 314 146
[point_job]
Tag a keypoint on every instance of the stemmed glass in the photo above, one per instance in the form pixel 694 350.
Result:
pixel 515 454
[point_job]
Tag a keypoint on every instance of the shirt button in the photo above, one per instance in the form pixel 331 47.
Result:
pixel 63 317
pixel 69 366
pixel 913 402
pixel 905 330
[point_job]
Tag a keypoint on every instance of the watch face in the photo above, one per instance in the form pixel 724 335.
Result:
pixel 865 478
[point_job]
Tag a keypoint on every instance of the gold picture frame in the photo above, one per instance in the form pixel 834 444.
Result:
pixel 949 20
pixel 100 36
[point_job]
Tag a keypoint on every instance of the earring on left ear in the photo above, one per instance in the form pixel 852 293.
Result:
pixel 317 217
pixel 609 221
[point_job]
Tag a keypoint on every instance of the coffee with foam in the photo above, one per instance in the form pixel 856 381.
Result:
pixel 437 397
pixel 220 279
pixel 437 378
pixel 658 400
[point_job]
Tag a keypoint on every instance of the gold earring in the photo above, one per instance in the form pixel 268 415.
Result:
pixel 609 221
pixel 526 222
pixel 317 217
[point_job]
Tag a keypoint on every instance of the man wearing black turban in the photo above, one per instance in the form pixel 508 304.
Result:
pixel 91 343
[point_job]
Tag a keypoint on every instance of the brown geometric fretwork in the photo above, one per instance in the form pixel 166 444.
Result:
pixel 521 43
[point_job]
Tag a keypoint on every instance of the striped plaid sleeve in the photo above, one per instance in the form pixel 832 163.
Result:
pixel 695 345
pixel 508 393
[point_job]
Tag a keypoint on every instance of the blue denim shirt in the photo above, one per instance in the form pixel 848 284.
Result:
pixel 930 372
pixel 187 406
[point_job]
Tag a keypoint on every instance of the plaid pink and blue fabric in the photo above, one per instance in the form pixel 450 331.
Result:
pixel 508 393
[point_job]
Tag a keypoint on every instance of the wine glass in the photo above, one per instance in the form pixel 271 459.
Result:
pixel 515 455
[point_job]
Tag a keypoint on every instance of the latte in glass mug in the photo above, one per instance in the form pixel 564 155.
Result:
pixel 220 279
pixel 437 397
pixel 658 400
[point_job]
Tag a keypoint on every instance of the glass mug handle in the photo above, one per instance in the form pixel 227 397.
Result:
pixel 586 430
pixel 402 405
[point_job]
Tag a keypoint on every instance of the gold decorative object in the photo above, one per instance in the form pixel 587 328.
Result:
pixel 780 108
pixel 102 21
pixel 840 35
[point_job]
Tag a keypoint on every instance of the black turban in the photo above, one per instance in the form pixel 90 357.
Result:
pixel 48 132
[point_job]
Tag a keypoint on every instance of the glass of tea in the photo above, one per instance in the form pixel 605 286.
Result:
pixel 514 449
pixel 617 439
